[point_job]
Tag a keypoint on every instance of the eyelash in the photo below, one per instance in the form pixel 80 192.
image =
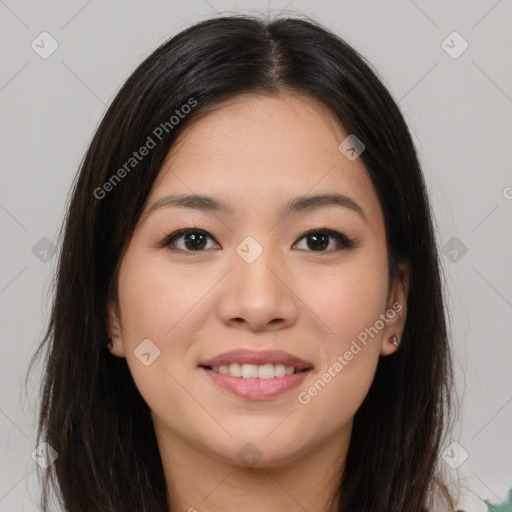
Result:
pixel 342 240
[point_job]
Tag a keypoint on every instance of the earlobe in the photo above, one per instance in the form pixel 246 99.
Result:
pixel 115 340
pixel 390 345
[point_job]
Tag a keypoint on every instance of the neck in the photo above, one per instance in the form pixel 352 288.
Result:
pixel 200 481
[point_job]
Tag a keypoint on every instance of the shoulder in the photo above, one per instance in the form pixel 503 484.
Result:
pixel 455 499
pixel 470 502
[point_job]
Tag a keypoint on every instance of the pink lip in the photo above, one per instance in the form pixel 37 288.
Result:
pixel 258 357
pixel 257 389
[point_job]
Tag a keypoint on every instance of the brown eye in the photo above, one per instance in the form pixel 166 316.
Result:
pixel 188 240
pixel 319 240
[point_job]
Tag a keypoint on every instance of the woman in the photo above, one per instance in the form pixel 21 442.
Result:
pixel 249 311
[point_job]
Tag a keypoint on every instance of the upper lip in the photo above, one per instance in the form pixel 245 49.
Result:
pixel 258 357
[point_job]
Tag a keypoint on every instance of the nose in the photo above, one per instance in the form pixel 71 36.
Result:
pixel 258 296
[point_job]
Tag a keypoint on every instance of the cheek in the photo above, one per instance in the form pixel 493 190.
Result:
pixel 155 304
pixel 349 303
pixel 332 399
pixel 351 298
pixel 154 298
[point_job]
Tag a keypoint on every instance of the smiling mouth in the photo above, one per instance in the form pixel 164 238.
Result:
pixel 254 371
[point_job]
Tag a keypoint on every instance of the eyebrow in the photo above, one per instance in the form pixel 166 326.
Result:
pixel 294 205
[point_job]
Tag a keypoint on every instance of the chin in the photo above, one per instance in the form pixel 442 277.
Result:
pixel 261 451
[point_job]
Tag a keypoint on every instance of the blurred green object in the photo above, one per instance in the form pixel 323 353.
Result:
pixel 503 507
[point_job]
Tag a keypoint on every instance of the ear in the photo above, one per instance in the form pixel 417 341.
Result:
pixel 396 309
pixel 115 331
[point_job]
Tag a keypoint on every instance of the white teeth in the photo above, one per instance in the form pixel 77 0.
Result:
pixel 280 370
pixel 235 370
pixel 266 371
pixel 249 371
pixel 254 371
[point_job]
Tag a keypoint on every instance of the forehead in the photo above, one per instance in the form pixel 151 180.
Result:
pixel 256 150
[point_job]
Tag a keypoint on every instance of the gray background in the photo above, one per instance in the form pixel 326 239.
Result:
pixel 459 111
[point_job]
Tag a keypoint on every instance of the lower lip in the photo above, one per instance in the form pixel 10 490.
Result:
pixel 257 389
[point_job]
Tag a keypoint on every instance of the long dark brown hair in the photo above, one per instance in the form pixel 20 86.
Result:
pixel 91 412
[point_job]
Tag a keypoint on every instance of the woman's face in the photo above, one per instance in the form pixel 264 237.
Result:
pixel 245 278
